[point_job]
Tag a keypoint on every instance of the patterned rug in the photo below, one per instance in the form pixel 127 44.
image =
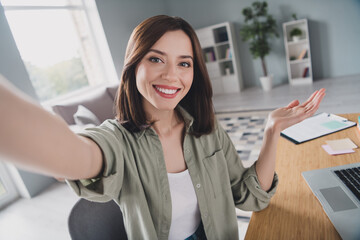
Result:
pixel 246 130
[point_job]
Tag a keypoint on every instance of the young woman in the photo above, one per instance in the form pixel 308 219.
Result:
pixel 165 160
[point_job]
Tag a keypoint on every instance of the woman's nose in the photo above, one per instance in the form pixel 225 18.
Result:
pixel 170 72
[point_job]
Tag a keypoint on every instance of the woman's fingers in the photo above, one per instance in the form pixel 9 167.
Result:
pixel 310 98
pixel 293 104
pixel 315 103
pixel 313 96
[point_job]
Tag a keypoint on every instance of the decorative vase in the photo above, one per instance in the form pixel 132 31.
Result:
pixel 266 82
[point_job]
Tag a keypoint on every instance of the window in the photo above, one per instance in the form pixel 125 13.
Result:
pixel 62 45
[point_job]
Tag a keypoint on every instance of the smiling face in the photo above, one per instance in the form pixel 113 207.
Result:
pixel 165 74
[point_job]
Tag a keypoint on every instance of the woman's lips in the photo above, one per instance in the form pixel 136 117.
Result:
pixel 166 91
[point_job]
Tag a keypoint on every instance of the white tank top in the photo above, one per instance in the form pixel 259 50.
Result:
pixel 185 217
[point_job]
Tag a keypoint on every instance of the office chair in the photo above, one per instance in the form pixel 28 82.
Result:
pixel 94 221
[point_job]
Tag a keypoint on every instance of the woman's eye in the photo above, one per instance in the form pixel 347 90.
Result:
pixel 185 64
pixel 155 59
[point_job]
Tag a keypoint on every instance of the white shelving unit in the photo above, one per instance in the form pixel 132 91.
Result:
pixel 298 55
pixel 220 52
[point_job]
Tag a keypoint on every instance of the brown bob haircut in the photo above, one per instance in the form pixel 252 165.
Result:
pixel 197 102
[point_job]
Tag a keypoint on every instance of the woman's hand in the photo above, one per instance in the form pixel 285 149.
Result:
pixel 278 120
pixel 293 113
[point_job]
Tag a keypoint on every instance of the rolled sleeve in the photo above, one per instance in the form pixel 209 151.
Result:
pixel 257 198
pixel 108 184
pixel 247 192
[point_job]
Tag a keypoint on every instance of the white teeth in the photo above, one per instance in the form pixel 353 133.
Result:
pixel 166 91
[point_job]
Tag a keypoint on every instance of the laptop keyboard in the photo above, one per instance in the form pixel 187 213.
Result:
pixel 351 178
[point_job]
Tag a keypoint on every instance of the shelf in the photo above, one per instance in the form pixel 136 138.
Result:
pixel 301 71
pixel 298 55
pixel 302 41
pixel 220 34
pixel 301 81
pixel 299 61
pixel 223 51
pixel 221 54
pixel 226 68
pixel 230 75
pixel 221 43
pixel 209 54
pixel 224 60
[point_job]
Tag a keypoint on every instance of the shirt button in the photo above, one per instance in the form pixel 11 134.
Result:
pixel 205 214
pixel 198 185
pixel 187 151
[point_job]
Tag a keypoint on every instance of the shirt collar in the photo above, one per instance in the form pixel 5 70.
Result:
pixel 189 120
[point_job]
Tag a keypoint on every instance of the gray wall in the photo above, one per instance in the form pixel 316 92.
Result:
pixel 333 26
pixel 119 18
pixel 13 68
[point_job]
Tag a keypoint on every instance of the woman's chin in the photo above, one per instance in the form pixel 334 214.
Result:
pixel 165 108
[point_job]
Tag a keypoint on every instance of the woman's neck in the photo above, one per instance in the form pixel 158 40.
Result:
pixel 164 121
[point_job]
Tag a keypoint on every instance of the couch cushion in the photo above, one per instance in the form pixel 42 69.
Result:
pixel 112 90
pixel 84 116
pixel 97 101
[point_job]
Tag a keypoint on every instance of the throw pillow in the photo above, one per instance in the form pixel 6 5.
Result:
pixel 84 116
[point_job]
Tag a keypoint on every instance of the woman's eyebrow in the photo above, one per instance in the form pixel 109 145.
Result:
pixel 164 54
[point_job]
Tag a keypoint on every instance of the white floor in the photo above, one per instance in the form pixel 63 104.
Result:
pixel 45 216
pixel 342 96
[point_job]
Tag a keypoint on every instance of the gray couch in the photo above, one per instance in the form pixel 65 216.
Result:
pixel 92 107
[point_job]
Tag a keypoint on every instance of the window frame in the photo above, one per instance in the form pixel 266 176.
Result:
pixel 97 35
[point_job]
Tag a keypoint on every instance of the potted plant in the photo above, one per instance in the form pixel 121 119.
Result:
pixel 295 34
pixel 227 68
pixel 258 28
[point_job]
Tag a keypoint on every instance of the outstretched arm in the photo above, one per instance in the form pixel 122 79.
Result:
pixel 279 120
pixel 41 142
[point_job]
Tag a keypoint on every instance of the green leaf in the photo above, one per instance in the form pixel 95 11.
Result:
pixel 258 28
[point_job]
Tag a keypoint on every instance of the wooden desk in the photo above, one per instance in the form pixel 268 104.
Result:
pixel 294 212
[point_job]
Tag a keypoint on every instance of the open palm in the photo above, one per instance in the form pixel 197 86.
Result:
pixel 293 113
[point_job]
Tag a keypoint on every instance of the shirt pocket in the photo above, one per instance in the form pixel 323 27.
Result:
pixel 216 168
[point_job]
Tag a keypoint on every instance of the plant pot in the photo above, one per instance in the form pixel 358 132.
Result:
pixel 266 82
pixel 227 71
pixel 296 38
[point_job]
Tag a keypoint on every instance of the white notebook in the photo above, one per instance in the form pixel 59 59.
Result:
pixel 316 126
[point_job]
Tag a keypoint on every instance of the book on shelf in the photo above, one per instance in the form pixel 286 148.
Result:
pixel 228 54
pixel 210 56
pixel 306 72
pixel 302 55
pixel 207 57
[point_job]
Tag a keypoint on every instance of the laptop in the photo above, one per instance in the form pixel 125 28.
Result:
pixel 338 191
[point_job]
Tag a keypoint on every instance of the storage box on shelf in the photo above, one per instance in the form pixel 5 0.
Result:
pixel 220 52
pixel 298 55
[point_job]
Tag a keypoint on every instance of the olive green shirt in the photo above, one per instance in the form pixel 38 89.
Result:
pixel 135 177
